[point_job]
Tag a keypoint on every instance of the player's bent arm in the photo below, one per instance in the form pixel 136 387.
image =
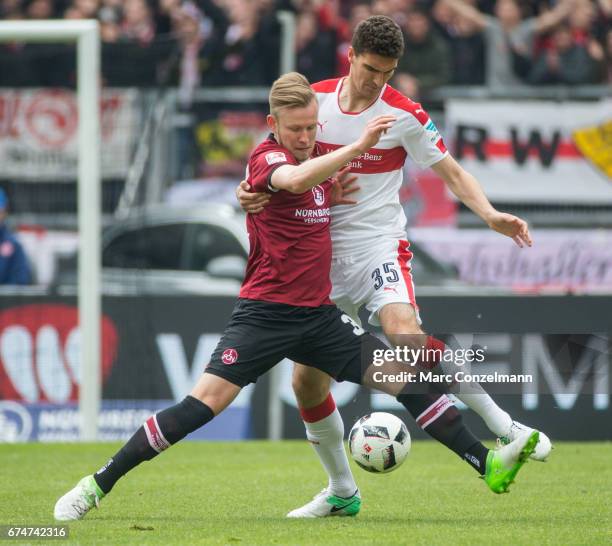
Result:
pixel 307 175
pixel 465 187
pixel 301 178
pixel 251 202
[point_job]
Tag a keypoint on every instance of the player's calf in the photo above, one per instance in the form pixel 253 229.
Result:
pixel 311 386
pixel 325 432
pixel 157 434
pixel 210 396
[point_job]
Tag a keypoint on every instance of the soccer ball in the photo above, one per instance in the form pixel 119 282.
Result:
pixel 379 442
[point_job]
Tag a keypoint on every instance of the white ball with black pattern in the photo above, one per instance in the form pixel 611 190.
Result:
pixel 379 442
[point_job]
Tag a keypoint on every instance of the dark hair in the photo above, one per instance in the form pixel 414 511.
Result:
pixel 380 35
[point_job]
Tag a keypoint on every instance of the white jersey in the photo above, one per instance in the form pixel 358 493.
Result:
pixel 378 212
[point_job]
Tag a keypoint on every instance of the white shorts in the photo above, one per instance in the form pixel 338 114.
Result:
pixel 374 278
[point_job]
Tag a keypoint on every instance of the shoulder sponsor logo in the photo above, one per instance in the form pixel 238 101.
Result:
pixel 432 132
pixel 319 195
pixel 275 157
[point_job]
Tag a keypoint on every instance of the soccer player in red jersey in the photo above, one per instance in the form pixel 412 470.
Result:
pixel 371 256
pixel 284 310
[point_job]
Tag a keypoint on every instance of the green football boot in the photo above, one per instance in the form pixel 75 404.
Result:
pixel 503 465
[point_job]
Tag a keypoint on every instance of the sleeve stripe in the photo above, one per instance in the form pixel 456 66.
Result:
pixel 269 180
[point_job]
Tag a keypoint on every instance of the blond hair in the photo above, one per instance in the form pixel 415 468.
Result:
pixel 291 90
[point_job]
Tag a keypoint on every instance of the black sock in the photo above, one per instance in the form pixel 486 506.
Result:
pixel 157 434
pixel 437 415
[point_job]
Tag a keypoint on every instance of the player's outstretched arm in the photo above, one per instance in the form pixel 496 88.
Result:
pixel 301 178
pixel 343 185
pixel 468 191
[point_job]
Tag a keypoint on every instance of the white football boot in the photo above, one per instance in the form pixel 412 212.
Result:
pixel 79 500
pixel 326 505
pixel 543 447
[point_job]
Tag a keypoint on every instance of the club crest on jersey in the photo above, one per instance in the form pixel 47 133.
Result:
pixel 432 132
pixel 229 356
pixel 319 195
pixel 275 157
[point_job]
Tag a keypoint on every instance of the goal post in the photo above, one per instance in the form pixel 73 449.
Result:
pixel 85 33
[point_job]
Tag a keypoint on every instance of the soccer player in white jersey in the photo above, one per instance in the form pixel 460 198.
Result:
pixel 371 257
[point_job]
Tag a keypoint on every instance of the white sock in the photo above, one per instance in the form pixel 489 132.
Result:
pixel 326 436
pixel 476 398
pixel 497 420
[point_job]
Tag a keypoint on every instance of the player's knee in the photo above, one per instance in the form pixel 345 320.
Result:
pixel 405 332
pixel 310 389
pixel 214 391
pixel 398 321
pixel 309 394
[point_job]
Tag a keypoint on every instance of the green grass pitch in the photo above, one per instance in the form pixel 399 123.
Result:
pixel 238 494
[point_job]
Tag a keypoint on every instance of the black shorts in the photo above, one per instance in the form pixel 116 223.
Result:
pixel 260 334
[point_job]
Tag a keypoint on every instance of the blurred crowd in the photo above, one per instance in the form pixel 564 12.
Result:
pixel 191 43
